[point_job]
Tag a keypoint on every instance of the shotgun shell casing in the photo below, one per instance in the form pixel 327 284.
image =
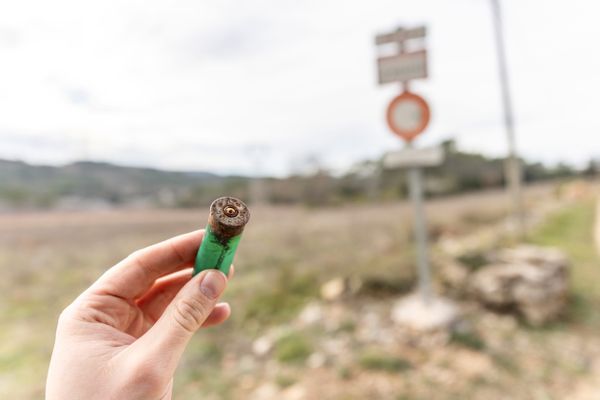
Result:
pixel 226 222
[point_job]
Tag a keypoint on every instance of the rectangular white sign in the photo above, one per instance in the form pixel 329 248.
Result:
pixel 411 157
pixel 401 35
pixel 402 67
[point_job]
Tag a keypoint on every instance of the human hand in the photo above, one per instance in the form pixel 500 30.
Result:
pixel 122 338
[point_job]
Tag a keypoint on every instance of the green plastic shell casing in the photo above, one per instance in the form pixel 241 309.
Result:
pixel 226 221
pixel 215 254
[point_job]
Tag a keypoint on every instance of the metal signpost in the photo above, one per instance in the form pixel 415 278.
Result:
pixel 408 116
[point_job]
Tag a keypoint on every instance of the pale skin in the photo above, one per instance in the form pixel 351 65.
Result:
pixel 123 337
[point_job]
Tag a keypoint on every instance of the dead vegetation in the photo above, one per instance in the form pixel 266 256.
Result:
pixel 348 351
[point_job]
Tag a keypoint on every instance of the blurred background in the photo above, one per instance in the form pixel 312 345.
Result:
pixel 121 121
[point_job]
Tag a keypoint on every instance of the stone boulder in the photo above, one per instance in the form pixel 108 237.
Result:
pixel 529 280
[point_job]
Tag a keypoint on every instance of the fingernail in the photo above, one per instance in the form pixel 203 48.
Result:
pixel 213 284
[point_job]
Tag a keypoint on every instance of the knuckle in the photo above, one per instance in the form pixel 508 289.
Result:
pixel 190 313
pixel 134 256
pixel 67 316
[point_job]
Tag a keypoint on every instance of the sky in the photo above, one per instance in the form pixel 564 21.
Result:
pixel 264 86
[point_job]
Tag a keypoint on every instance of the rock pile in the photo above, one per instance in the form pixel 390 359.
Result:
pixel 532 281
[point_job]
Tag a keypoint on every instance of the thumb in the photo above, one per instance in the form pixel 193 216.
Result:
pixel 165 342
pixel 192 305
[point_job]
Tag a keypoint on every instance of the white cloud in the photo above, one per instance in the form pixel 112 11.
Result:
pixel 194 85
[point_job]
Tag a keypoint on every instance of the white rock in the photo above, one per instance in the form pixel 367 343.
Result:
pixel 414 313
pixel 333 289
pixel 294 392
pixel 541 256
pixel 266 391
pixel 531 280
pixel 310 315
pixel 262 345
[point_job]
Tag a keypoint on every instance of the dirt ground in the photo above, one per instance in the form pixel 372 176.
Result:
pixel 310 348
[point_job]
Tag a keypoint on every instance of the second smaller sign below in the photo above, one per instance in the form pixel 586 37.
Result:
pixel 411 157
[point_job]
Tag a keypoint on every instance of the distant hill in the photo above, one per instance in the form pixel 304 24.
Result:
pixel 84 185
pixel 96 184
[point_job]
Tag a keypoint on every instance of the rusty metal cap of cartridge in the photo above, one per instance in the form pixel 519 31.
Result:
pixel 227 217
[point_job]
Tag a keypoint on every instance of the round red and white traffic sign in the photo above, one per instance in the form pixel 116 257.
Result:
pixel 408 115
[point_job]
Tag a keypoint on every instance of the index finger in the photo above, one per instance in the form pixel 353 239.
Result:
pixel 133 276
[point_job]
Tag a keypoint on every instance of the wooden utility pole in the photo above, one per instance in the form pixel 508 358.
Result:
pixel 512 166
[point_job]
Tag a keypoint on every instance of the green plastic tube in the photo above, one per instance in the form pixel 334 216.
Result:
pixel 226 221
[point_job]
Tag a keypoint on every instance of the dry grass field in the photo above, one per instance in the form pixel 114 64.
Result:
pixel 46 259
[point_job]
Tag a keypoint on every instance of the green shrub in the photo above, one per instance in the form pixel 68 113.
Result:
pixel 292 348
pixel 383 362
pixel 469 340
